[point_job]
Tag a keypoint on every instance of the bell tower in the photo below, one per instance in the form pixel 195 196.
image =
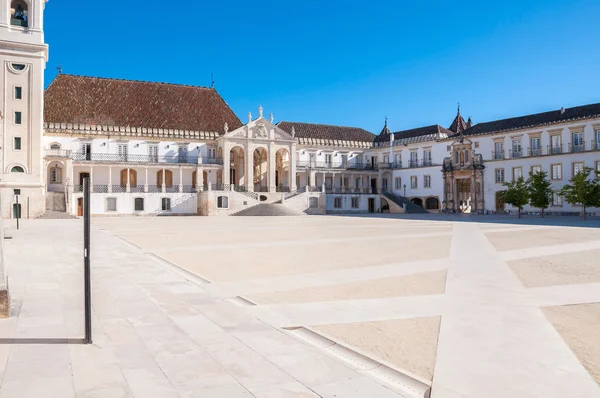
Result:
pixel 23 57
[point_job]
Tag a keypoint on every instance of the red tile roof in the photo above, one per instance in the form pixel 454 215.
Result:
pixel 326 131
pixel 114 102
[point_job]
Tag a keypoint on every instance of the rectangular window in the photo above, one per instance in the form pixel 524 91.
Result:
pixel 222 202
pixel 328 159
pixel 598 166
pixel 426 158
pixel 598 139
pixel 398 183
pixel 386 159
pixel 517 173
pixel 578 142
pixel 516 148
pixel 17 117
pixel 138 204
pixel 166 204
pixel 556 172
pixel 182 152
pixel 398 159
pixel 536 169
pixel 337 202
pixel 111 204
pixel 556 144
pixel 427 181
pixel 536 146
pixel 499 176
pixel 344 159
pixel 17 191
pixel 476 144
pixel 17 144
pixel 122 151
pixel 556 199
pixel 153 153
pixel 498 150
pixel 355 202
pixel 18 93
pixel 414 182
pixel 577 167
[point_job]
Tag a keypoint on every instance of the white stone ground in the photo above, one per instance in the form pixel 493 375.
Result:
pixel 474 309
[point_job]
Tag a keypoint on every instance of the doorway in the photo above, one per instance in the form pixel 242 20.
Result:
pixel 499 203
pixel 373 185
pixel 80 207
pixel 83 176
pixel 463 188
pixel 371 205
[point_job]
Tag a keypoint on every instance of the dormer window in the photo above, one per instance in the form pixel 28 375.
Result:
pixel 18 13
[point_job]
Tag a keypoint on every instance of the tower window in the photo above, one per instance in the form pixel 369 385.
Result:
pixel 18 92
pixel 18 13
pixel 17 169
pixel 18 66
pixel 18 117
pixel 17 145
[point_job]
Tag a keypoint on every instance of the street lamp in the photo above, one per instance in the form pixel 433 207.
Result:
pixel 404 190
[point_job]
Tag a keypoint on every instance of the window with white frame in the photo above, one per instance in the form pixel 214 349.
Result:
pixel 536 146
pixel 138 204
pixel 337 202
pixel 556 143
pixel 556 199
pixel 398 183
pixel 556 172
pixel 516 148
pixel 427 156
pixel 153 152
pixel 386 159
pixel 414 182
pixel 222 202
pixel 578 140
pixel 498 150
pixel 517 173
pixel 499 176
pixel 166 204
pixel 18 93
pixel 577 167
pixel 111 204
pixel 536 169
pixel 414 157
pixel 18 117
pixel 427 181
pixel 598 139
pixel 17 143
pixel 55 175
pixel 355 202
pixel 398 158
pixel 122 151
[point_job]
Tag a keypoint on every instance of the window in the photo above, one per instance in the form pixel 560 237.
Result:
pixel 222 202
pixel 17 169
pixel 448 148
pixel 577 167
pixel 398 159
pixel 153 152
pixel 138 204
pixel 556 144
pixel 398 183
pixel 498 150
pixel 111 204
pixel 414 159
pixel 55 175
pixel 337 202
pixel 18 93
pixel 166 204
pixel 426 158
pixel 55 147
pixel 414 182
pixel 355 202
pixel 578 141
pixel 18 13
pixel 17 191
pixel 18 117
pixel 556 199
pixel 122 151
pixel 455 157
pixel 499 176
pixel 17 143
pixel 466 156
pixel 328 159
pixel 517 173
pixel 386 159
pixel 536 146
pixel 427 181
pixel 182 151
pixel 556 172
pixel 536 169
pixel 476 144
pixel 516 148
pixel 344 159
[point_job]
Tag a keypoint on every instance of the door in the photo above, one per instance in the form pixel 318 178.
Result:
pixel 86 151
pixel 122 151
pixel 499 203
pixel 80 207
pixel 373 185
pixel 371 205
pixel 83 176
pixel 153 153
pixel 463 186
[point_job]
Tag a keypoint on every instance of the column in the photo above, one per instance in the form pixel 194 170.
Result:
pixel 109 179
pixel 343 185
pixel 226 165
pixel 473 194
pixel 91 178
pixel 293 157
pixel 452 204
pixel 180 180
pixel 271 167
pixel 128 186
pixel 249 174
pixel 164 187
pixel 199 178
pixel 146 180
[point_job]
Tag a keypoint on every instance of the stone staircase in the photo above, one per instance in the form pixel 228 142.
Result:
pixel 409 206
pixel 56 207
pixel 267 210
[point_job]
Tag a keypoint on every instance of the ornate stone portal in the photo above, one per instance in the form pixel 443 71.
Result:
pixel 463 178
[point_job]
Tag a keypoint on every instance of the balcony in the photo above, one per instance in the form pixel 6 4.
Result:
pixel 336 166
pixel 151 188
pixel 127 158
pixel 57 153
pixel 497 155
pixel 515 153
pixel 556 149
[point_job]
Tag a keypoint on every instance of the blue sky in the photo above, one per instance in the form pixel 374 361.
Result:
pixel 344 62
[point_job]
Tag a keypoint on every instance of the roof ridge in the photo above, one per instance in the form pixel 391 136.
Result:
pixel 538 113
pixel 323 124
pixel 130 81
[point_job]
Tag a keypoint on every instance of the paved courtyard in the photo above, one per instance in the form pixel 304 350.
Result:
pixel 305 307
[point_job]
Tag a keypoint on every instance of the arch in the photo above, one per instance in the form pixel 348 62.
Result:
pixel 20 168
pixel 17 169
pixel 417 201
pixel 237 161
pixel 55 173
pixel 261 169
pixel 168 179
pixel 132 178
pixel 19 13
pixel 283 178
pixel 385 206
pixel 432 203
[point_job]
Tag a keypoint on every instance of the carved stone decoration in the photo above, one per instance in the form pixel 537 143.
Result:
pixel 260 111
pixel 240 133
pixel 249 117
pixel 293 132
pixel 226 128
pixel 261 132
pixel 278 136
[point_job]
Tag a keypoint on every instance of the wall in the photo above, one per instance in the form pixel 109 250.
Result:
pixel 301 202
pixel 363 206
pixel 181 203
pixel 207 203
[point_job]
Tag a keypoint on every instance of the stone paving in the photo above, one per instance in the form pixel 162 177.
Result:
pixel 209 307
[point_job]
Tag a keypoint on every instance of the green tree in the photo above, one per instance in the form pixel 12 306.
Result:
pixel 540 190
pixel 582 190
pixel 516 194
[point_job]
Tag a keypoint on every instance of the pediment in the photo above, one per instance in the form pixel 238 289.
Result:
pixel 260 128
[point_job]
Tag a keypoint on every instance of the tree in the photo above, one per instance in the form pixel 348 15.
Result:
pixel 540 190
pixel 516 194
pixel 582 190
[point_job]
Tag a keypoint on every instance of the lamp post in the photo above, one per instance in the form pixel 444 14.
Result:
pixel 404 190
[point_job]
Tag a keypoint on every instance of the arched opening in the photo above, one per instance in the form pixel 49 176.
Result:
pixel 168 179
pixel 385 206
pixel 283 178
pixel 417 201
pixel 17 169
pixel 237 175
pixel 19 13
pixel 263 198
pixel 261 170
pixel 132 178
pixel 55 177
pixel 432 204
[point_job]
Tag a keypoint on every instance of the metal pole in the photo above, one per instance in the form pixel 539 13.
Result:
pixel 17 210
pixel 86 258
